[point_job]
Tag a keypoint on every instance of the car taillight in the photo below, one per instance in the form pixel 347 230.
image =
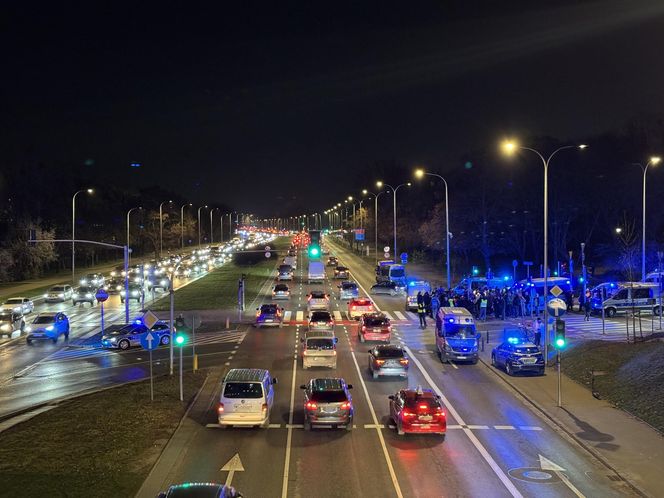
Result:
pixel 264 407
pixel 330 323
pixel 220 408
pixel 353 307
pixel 439 413
pixel 389 328
pixel 364 328
pixel 403 361
pixel 258 314
pixel 407 413
pixel 424 407
pixel 345 405
pixel 380 362
pixel 278 312
pixel 311 405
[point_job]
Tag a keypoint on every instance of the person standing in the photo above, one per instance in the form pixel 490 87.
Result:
pixel 587 306
pixel 539 327
pixel 484 302
pixel 422 314
pixel 426 298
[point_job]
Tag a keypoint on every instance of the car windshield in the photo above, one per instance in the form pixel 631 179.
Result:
pixel 397 272
pixel 268 309
pixel 44 319
pixel 375 321
pixel 349 286
pixel 16 300
pixel 457 331
pixel 317 295
pixel 388 353
pixel 329 396
pixel 243 390
pixel 320 316
pixel 280 287
pixel 132 329
pixel 57 289
pixel 319 343
pixel 526 349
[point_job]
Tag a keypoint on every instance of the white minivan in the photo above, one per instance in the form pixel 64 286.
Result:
pixel 246 399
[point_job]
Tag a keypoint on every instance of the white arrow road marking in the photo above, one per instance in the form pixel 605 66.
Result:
pixel 547 464
pixel 232 466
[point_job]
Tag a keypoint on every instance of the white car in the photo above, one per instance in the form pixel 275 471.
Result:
pixel 318 300
pixel 24 305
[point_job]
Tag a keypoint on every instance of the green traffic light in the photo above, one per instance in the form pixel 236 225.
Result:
pixel 560 343
pixel 313 251
pixel 179 340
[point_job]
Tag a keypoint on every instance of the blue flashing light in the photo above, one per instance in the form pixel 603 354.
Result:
pixel 581 280
pixel 555 273
pixel 612 284
pixel 506 278
pixel 513 340
pixel 567 281
pixel 412 284
pixel 451 320
pixel 138 321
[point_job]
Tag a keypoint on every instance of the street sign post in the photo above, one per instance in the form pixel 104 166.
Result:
pixel 101 296
pixel 404 258
pixel 150 342
pixel 195 322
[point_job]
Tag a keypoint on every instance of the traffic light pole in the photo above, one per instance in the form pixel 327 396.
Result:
pixel 560 396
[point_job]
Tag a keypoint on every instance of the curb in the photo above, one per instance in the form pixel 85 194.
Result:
pixel 561 426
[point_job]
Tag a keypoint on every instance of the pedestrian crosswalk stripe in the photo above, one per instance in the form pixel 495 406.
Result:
pixel 399 315
pixel 337 315
pixel 411 316
pixel 387 315
pixel 287 316
pixel 504 427
pixel 299 316
pixel 392 427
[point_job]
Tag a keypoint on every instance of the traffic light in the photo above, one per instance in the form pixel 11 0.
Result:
pixel 314 251
pixel 180 339
pixel 476 270
pixel 560 334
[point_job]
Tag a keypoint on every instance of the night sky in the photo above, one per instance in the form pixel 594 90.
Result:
pixel 264 108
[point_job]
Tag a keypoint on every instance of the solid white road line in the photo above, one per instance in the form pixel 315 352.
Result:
pixel 393 474
pixel 473 439
pixel 289 437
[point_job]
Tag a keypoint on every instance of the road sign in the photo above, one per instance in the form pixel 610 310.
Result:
pixel 527 263
pixel 101 295
pixel 193 320
pixel 386 249
pixel 515 263
pixel 268 254
pixel 150 319
pixel 557 307
pixel 267 248
pixel 556 291
pixel 149 341
pixel 404 258
pixel 386 255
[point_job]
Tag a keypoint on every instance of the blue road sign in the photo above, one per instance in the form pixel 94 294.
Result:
pixel 149 341
pixel 404 258
pixel 101 295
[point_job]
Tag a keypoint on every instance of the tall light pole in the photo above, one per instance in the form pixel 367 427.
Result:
pixel 380 184
pixel 420 173
pixel 128 213
pixel 653 161
pixel 161 226
pixel 221 226
pixel 182 224
pixel 510 147
pixel 73 233
pixel 199 224
pixel 211 230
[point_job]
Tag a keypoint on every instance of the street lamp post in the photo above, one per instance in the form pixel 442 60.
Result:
pixel 652 161
pixel 199 224
pixel 510 148
pixel 420 173
pixel 380 184
pixel 211 230
pixel 128 213
pixel 161 227
pixel 376 196
pixel 73 233
pixel 182 224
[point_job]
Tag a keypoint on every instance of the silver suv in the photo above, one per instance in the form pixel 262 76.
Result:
pixel 327 402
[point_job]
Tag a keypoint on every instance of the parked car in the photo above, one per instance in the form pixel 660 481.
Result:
pixel 268 315
pixel 348 290
pixel 318 300
pixel 327 402
pixel 11 321
pixel 417 411
pixel 374 327
pixel 58 293
pixel 321 320
pixel 389 288
pixel 84 294
pixel 130 335
pixel 47 326
pixel 359 306
pixel 281 291
pixel 515 355
pixel 23 305
pixel 388 360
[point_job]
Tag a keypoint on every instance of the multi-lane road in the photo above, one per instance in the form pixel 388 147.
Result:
pixel 495 445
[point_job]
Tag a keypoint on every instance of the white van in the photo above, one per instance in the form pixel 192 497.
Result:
pixel 319 349
pixel 247 395
pixel 316 272
pixel 636 296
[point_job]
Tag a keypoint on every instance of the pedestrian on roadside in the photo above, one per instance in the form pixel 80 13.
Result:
pixel 420 297
pixel 587 306
pixel 422 314
pixel 483 305
pixel 435 304
pixel 539 326
pixel 426 299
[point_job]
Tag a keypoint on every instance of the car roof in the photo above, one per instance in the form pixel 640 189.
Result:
pixel 48 315
pixel 327 384
pixel 268 306
pixel 317 294
pixel 318 313
pixel 195 490
pixel 342 268
pixel 384 347
pixel 348 284
pixel 414 395
pixel 375 315
pixel 281 286
pixel 319 334
pixel 245 375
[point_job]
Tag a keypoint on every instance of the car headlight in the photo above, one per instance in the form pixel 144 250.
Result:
pixel 122 293
pixel 118 287
pixel 88 295
pixel 61 295
pixel 134 293
pixel 28 328
pixel 45 295
pixel 5 326
pixel 50 328
pixel 163 282
pixel 113 339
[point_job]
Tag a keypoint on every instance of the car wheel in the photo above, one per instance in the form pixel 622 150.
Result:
pixel 165 340
pixel 474 362
pixel 123 344
pixel 22 327
pixel 55 340
pixel 66 336
pixel 656 311
pixel 441 357
pixel 362 339
pixel 442 437
pixel 611 312
pixel 508 368
pixel 307 425
pixel 493 360
pixel 374 375
pixel 28 342
pixel 349 425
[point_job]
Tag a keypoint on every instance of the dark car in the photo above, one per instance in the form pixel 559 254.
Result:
pixel 114 285
pixel 10 322
pixel 92 280
pixel 341 272
pixel 516 355
pixel 200 490
pixel 47 326
pixel 135 293
pixel 417 411
pixel 327 402
pixel 84 294
pixel 332 261
pixel 389 288
pixel 388 360
pixel 268 315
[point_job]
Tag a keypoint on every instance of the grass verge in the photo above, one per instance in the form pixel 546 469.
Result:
pixel 218 289
pixel 101 445
pixel 634 379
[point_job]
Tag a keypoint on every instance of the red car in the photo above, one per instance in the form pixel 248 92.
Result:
pixel 418 411
pixel 359 306
pixel 374 327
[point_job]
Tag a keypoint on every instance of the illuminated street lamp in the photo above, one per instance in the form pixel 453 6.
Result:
pixel 420 173
pixel 653 161
pixel 199 224
pixel 376 196
pixel 128 213
pixel 211 230
pixel 73 232
pixel 380 184
pixel 182 224
pixel 510 148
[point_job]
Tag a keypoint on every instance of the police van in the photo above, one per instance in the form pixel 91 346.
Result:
pixel 456 336
pixel 639 296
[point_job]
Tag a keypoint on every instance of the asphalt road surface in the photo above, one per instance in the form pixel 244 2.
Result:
pixel 495 445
